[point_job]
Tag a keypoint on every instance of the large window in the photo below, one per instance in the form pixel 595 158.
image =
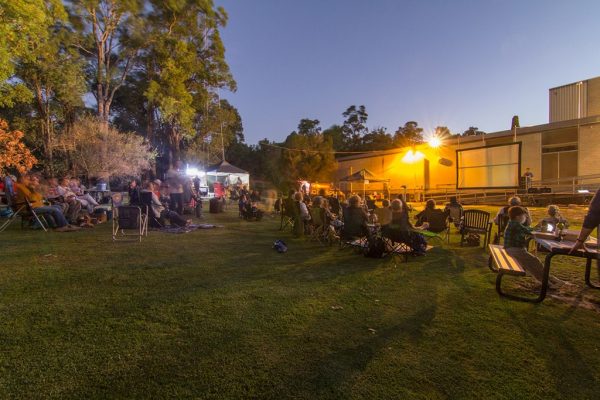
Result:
pixel 559 153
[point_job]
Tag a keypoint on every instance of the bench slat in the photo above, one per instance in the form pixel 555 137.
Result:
pixel 505 262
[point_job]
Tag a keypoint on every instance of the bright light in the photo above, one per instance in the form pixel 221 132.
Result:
pixel 412 156
pixel 435 142
pixel 192 171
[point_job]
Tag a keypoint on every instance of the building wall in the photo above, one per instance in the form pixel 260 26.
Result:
pixel 593 97
pixel 589 149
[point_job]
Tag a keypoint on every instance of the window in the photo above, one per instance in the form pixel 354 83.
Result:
pixel 559 153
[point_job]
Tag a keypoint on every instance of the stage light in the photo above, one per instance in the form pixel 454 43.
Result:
pixel 412 156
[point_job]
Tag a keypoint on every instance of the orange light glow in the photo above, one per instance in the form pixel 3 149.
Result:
pixel 412 156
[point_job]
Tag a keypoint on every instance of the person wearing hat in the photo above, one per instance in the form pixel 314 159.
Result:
pixel 502 215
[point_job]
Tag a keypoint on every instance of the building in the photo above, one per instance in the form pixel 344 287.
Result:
pixel 565 153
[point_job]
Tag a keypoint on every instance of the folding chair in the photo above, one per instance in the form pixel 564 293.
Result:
pixel 318 233
pixel 288 214
pixel 127 218
pixel 476 221
pixel 146 205
pixel 455 214
pixel 502 222
pixel 27 214
pixel 439 228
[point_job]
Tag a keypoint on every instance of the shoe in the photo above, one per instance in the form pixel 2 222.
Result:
pixel 73 227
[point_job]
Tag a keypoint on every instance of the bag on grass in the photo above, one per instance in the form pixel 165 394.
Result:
pixel 473 240
pixel 417 243
pixel 280 246
pixel 375 248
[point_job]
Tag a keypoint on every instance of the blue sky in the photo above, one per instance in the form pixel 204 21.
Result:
pixel 456 63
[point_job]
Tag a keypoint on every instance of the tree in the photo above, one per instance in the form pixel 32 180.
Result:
pixel 354 126
pixel 23 24
pixel 55 77
pixel 408 135
pixel 104 152
pixel 185 66
pixel 335 133
pixel 377 139
pixel 309 127
pixel 514 123
pixel 473 131
pixel 109 37
pixel 13 152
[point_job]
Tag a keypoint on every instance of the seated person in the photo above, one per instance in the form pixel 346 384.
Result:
pixel 50 192
pixel 435 217
pixel 384 214
pixel 25 191
pixel 301 214
pixel 134 192
pixel 502 216
pixel 515 244
pixel 69 197
pixel 455 211
pixel 370 203
pixel 553 218
pixel 400 230
pixel 355 220
pixel 160 212
pixel 85 199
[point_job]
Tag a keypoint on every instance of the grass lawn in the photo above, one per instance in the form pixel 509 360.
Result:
pixel 218 314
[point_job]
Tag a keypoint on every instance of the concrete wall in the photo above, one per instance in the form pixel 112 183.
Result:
pixel 589 150
pixel 593 97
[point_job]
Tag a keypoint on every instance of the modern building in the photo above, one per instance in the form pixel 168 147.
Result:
pixel 563 154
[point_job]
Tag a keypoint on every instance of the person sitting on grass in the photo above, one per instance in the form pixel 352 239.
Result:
pixel 515 244
pixel 25 192
pixel 161 213
pixel 502 216
pixel 553 218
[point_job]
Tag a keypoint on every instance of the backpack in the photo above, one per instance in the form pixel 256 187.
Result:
pixel 280 246
pixel 418 244
pixel 473 240
pixel 375 248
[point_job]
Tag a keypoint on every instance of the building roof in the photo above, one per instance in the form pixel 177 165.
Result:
pixel 225 168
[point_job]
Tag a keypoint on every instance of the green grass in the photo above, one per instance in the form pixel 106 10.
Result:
pixel 219 314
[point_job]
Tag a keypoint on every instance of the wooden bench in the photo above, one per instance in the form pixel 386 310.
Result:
pixel 504 264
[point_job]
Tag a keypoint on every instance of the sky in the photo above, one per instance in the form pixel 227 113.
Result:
pixel 456 63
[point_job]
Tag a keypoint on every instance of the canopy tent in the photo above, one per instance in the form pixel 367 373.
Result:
pixel 227 173
pixel 365 177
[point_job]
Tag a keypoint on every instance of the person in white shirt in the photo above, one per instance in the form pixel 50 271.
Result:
pixel 160 212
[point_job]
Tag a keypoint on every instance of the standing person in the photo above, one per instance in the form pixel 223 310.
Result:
pixel 591 221
pixel 528 175
pixel 175 181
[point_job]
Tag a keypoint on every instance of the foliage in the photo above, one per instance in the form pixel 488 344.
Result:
pixel 408 135
pixel 102 151
pixel 514 122
pixel 14 155
pixel 354 126
pixel 377 139
pixel 473 131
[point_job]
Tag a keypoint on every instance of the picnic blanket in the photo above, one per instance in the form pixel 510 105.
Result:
pixel 187 229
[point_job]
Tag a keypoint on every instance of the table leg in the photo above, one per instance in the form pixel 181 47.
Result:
pixel 588 269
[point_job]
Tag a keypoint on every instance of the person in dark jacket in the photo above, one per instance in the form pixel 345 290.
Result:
pixel 591 221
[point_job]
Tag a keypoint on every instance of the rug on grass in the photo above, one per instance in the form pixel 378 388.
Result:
pixel 189 228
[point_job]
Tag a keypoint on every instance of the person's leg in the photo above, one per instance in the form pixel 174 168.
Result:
pixel 57 216
pixel 73 211
pixel 89 199
pixel 530 263
pixel 179 209
pixel 175 218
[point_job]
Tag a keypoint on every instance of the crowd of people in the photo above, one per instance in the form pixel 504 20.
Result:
pixel 63 203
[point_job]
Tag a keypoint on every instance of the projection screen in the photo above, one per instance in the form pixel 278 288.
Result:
pixel 489 167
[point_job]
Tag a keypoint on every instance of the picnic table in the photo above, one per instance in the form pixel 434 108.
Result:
pixel 556 247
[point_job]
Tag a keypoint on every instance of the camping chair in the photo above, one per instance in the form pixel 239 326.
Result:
pixel 317 216
pixel 127 218
pixel 287 214
pixel 27 214
pixel 439 228
pixel 455 214
pixel 502 222
pixel 395 246
pixel 146 203
pixel 476 221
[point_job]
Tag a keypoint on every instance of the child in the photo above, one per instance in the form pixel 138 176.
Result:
pixel 515 244
pixel 553 218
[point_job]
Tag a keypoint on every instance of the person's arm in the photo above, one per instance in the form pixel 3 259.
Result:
pixel 591 221
pixel 498 216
